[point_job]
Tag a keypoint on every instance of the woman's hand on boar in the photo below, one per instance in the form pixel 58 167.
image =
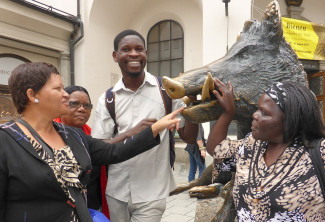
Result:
pixel 225 96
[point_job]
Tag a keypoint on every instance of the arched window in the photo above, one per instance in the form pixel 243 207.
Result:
pixel 165 45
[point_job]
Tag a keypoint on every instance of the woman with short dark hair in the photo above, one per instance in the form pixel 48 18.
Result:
pixel 275 177
pixel 79 108
pixel 45 165
pixel 77 116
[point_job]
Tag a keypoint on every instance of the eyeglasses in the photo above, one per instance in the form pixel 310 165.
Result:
pixel 77 104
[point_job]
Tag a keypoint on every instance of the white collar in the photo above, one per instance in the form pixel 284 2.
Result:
pixel 148 78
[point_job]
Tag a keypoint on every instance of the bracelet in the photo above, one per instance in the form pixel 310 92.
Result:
pixel 202 148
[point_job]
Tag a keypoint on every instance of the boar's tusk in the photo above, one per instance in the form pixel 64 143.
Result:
pixel 207 87
pixel 186 100
pixel 174 89
pixel 201 113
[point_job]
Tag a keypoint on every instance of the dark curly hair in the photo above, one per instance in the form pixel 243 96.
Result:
pixel 124 33
pixel 33 75
pixel 71 89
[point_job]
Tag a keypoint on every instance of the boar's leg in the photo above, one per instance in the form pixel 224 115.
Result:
pixel 227 212
pixel 205 179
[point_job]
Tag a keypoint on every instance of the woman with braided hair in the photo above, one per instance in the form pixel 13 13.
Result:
pixel 275 177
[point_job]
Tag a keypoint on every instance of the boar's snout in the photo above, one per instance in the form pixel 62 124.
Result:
pixel 174 89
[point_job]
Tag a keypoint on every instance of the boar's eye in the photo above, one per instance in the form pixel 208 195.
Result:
pixel 243 54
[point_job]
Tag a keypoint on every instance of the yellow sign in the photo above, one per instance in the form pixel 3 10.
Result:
pixel 307 39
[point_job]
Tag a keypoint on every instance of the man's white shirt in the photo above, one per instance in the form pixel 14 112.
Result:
pixel 148 176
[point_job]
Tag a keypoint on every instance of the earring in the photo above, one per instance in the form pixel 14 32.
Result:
pixel 36 101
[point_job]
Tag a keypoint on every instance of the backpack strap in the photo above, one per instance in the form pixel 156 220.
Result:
pixel 166 99
pixel 110 105
pixel 318 162
pixel 168 108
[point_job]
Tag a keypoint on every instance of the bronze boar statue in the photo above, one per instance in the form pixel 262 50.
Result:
pixel 260 57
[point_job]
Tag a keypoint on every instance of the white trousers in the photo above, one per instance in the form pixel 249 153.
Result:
pixel 120 211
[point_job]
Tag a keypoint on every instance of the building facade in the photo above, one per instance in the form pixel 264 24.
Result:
pixel 181 35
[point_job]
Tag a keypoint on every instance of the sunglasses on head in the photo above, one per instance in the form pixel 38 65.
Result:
pixel 77 104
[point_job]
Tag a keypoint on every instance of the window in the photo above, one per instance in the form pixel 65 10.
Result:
pixel 165 49
pixel 8 62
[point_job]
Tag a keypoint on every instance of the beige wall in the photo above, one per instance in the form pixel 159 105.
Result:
pixel 63 5
pixel 220 30
pixel 204 24
pixel 35 36
pixel 33 55
pixel 188 14
pixel 95 68
pixel 207 32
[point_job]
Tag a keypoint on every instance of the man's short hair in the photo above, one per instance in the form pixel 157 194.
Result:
pixel 124 33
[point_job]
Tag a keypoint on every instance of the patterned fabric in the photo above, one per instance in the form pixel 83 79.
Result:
pixel 102 176
pixel 223 165
pixel 65 168
pixel 288 190
pixel 278 95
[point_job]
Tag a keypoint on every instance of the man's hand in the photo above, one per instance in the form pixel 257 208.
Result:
pixel 140 126
pixel 135 130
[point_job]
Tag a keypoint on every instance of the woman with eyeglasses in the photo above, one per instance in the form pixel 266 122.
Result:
pixel 77 116
pixel 45 165
pixel 79 108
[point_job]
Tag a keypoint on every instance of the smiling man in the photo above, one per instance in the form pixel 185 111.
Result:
pixel 137 188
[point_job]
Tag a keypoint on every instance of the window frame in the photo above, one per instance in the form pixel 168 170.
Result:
pixel 159 60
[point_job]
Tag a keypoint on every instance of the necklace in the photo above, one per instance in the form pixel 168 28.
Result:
pixel 262 146
pixel 260 193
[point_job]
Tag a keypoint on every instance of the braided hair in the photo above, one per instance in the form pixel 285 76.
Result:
pixel 302 114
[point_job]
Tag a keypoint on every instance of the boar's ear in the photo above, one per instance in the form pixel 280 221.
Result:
pixel 271 24
pixel 248 25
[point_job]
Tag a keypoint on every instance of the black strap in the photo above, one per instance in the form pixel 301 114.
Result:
pixel 82 209
pixel 37 137
pixel 166 99
pixel 168 107
pixel 80 203
pixel 110 105
pixel 316 157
